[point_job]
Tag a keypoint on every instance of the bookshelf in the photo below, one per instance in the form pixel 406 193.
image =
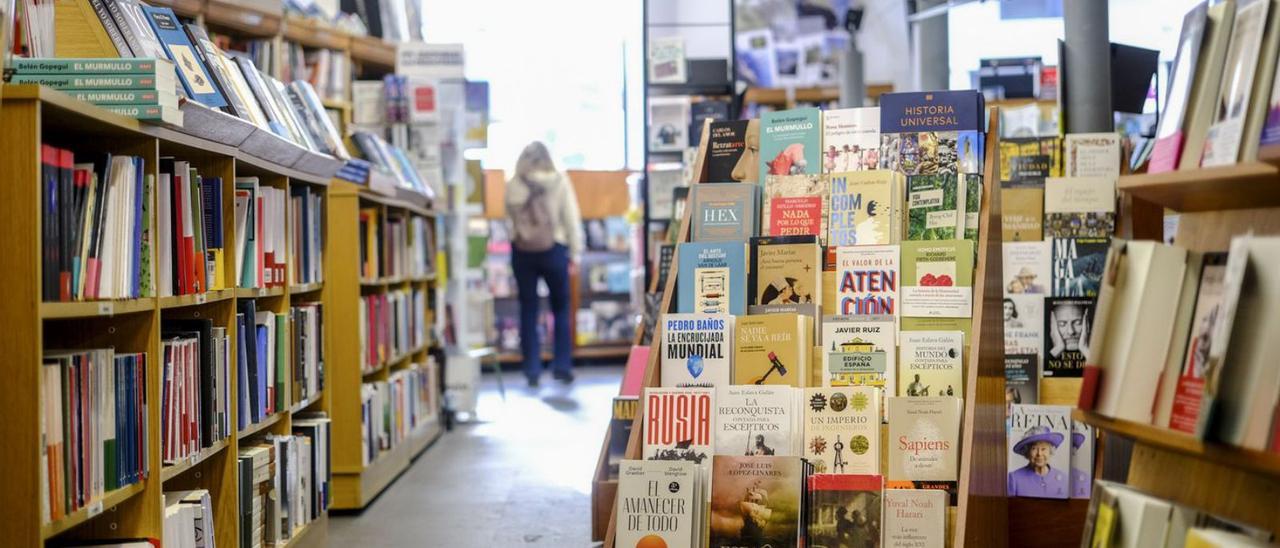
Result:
pixel 786 98
pixel 32 116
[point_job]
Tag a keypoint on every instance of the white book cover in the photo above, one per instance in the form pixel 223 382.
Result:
pixel 1091 155
pixel 931 364
pixel 850 139
pixel 669 123
pixel 924 439
pixel 914 518
pixel 1039 451
pixel 757 420
pixel 867 280
pixel 697 349
pixel 1024 324
pixel 860 351
pixel 1222 143
pixel 1082 444
pixel 656 503
pixel 842 429
pixel 1026 267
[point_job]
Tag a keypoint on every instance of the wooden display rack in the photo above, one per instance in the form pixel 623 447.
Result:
pixel 34 115
pixel 980 518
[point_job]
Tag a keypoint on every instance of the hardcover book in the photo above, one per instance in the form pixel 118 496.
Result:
pixel 1077 266
pixel 924 443
pixel 937 279
pixel 842 429
pixel 931 111
pixel 850 139
pixel 790 142
pixel 1082 444
pixel 1023 324
pixel 1029 161
pixel 932 364
pixel 864 208
pixel 1169 133
pixel 934 207
pixel 732 150
pixel 712 277
pixel 755 502
pixel 678 424
pixel 1091 155
pixel 860 351
pixel 1026 267
pixel 1188 409
pixel 1021 379
pixel 1067 327
pixel 657 504
pixel 697 350
pixel 773 349
pixel 866 280
pixel 668 124
pixel 723 212
pixel 844 510
pixel 191 70
pixel 1039 463
pixel 795 205
pixel 1022 214
pixel 785 270
pixel 757 420
pixel 914 518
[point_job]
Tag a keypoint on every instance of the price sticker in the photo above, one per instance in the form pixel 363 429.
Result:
pixel 106 308
pixel 201 298
pixel 95 508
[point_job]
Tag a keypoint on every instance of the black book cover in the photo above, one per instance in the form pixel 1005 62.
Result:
pixel 203 330
pixel 711 109
pixel 49 222
pixel 66 222
pixel 753 274
pixel 246 501
pixel 249 341
pixel 725 148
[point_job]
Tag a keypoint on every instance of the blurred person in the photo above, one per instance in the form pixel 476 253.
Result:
pixel 546 241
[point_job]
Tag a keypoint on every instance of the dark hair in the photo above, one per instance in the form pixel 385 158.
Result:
pixel 1015 306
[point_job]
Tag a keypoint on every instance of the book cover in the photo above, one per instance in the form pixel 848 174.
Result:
pixel 633 374
pixel 914 518
pixel 661 182
pixel 1091 155
pixel 1167 151
pixel 1023 323
pixel 657 504
pixel 755 502
pixel 772 349
pixel 1082 444
pixel 1021 380
pixel 123 97
pixel 924 442
pixel 191 70
pixel 842 429
pixel 1079 206
pixel 1077 266
pixel 1093 224
pixel 1022 214
pixel 624 414
pixel 864 208
pixel 92 81
pixel 1222 143
pixel 678 423
pixel 668 124
pixel 712 277
pixel 931 363
pixel 733 149
pixel 931 111
pixel 933 207
pixel 972 205
pixel 701 111
pixel 850 139
pixel 757 420
pixel 860 351
pixel 697 349
pixel 1026 267
pixel 790 142
pixel 937 279
pixel 1039 464
pixel 785 270
pixel 795 205
pixel 1028 161
pixel 40 65
pixel 866 280
pixel 666 60
pixel 1067 326
pixel 844 510
pixel 1188 409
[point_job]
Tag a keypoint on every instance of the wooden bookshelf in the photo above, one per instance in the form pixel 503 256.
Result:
pixel 1238 186
pixel 1259 462
pixel 312 33
pixel 789 97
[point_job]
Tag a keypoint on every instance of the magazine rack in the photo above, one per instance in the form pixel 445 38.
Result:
pixel 980 517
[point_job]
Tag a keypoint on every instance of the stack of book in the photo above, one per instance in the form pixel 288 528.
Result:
pixel 188 518
pixel 145 89
pixel 313 432
pixel 257 487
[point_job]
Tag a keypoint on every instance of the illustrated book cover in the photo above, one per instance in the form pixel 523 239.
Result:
pixel 842 429
pixel 865 208
pixel 1039 451
pixel 697 350
pixel 712 277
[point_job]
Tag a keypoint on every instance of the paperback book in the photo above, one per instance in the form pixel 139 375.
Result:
pixel 1077 266
pixel 1021 379
pixel 790 142
pixel 860 351
pixel 844 510
pixel 624 414
pixel 1167 152
pixel 1022 214
pixel 937 279
pixel 678 423
pixel 1079 207
pixel 932 364
pixel 914 518
pixel 1067 327
pixel 785 270
pixel 666 60
pixel 701 111
pixel 1091 155
pixel 866 280
pixel 773 349
pixel 697 350
pixel 842 429
pixel 1028 161
pixel 757 420
pixel 972 204
pixel 712 277
pixel 1082 447
pixel 1039 464
pixel 1188 401
pixel 1223 142
pixel 864 208
pixel 795 205
pixel 932 132
pixel 850 139
pixel 658 503
pixel 723 212
pixel 924 443
pixel 1023 324
pixel 732 148
pixel 934 206
pixel 1026 267
pixel 755 501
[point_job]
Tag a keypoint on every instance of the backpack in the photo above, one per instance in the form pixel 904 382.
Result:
pixel 534 228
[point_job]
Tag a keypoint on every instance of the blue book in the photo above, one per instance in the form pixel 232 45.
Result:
pixel 242 376
pixel 712 277
pixel 211 200
pixel 791 142
pixel 191 71
pixel 920 111
pixel 263 375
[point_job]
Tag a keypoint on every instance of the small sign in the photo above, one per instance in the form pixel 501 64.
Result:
pixel 106 308
pixel 95 508
pixel 438 61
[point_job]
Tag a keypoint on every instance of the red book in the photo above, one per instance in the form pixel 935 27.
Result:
pixel 633 375
pixel 66 212
pixel 1089 388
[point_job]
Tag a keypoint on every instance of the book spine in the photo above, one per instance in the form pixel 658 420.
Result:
pixel 117 97
pixel 89 81
pixel 115 31
pixel 140 112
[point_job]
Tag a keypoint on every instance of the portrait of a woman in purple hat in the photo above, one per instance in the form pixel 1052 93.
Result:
pixel 1038 478
pixel 1081 483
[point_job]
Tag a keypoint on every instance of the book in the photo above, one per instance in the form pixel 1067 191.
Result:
pixel 697 349
pixel 790 142
pixel 785 270
pixel 1039 466
pixel 937 279
pixel 1082 444
pixel 123 97
pixel 1023 324
pixel 1067 332
pixel 905 112
pixel 1077 266
pixel 758 420
pixel 930 133
pixel 191 70
pixel 1079 206
pixel 1021 379
pixel 1259 111
pixel 701 111
pixel 712 277
pixel 1091 155
pixel 934 207
pixel 924 443
pixel 1184 75
pixel 666 60
pixel 931 364
pixel 1203 106
pixel 773 349
pixel 972 189
pixel 1026 267
pixel 79 81
pixel 842 429
pixel 1188 414
pixel 860 351
pixel 657 503
pixel 865 208
pixel 723 212
pixel 40 65
pixel 732 150
pixel 661 182
pixel 756 501
pixel 850 139
pixel 844 510
pixel 914 517
pixel 678 423
pixel 668 124
pixel 1022 214
pixel 1223 141
pixel 866 280
pixel 1028 161
pixel 154 113
pixel 795 205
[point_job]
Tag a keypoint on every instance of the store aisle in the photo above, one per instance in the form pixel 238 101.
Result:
pixel 521 477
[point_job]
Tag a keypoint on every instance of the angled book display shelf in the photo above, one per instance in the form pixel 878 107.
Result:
pixel 980 517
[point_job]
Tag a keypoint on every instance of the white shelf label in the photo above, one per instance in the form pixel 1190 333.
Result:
pixel 95 508
pixel 106 308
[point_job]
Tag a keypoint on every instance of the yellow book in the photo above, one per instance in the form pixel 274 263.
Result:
pixel 219 281
pixel 773 349
pixel 79 31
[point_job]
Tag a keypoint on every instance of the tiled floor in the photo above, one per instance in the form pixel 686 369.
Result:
pixel 521 476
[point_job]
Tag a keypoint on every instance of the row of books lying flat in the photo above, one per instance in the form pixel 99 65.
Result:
pixel 396 409
pixel 391 325
pixel 110 231
pixel 284 482
pixel 1183 340
pixel 393 246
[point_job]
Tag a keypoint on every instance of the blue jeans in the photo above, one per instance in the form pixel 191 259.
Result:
pixel 552 266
